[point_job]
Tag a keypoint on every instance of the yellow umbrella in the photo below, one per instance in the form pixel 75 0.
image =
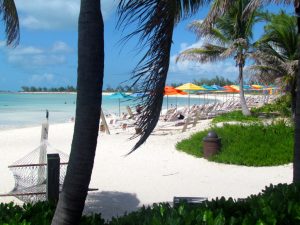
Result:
pixel 190 87
pixel 235 87
pixel 257 86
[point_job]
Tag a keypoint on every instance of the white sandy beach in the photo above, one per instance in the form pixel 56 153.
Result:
pixel 154 173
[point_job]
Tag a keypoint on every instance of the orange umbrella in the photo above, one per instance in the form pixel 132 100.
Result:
pixel 172 91
pixel 230 89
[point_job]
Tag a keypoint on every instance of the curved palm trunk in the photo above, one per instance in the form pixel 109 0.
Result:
pixel 89 97
pixel 243 103
pixel 296 169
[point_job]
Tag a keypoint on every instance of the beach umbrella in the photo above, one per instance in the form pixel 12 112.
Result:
pixel 247 87
pixel 190 87
pixel 230 89
pixel 219 89
pixel 137 95
pixel 236 87
pixel 172 91
pixel 119 96
pixel 257 86
pixel 209 89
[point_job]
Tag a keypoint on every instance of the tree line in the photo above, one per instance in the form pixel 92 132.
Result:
pixel 218 80
pixel 45 89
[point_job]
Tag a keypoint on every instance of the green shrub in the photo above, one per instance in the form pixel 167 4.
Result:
pixel 250 145
pixel 276 205
pixel 282 106
pixel 40 213
pixel 235 116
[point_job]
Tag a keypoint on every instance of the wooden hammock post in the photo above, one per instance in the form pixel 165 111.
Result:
pixel 52 190
pixel 43 152
pixel 103 121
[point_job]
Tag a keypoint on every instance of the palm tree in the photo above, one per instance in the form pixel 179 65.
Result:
pixel 296 165
pixel 229 36
pixel 89 97
pixel 11 21
pixel 277 55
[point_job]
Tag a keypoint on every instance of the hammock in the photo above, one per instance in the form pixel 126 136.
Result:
pixel 30 173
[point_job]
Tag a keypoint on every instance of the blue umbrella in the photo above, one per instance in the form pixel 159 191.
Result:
pixel 217 87
pixel 119 96
pixel 137 95
pixel 209 88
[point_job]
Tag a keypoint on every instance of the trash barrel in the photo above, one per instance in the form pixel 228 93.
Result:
pixel 211 144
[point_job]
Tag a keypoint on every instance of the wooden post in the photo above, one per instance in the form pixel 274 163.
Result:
pixel 43 153
pixel 53 162
pixel 104 122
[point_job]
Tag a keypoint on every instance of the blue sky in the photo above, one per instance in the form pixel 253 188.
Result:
pixel 47 53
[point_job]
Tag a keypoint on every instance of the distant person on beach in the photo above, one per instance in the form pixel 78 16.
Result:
pixel 138 109
pixel 180 116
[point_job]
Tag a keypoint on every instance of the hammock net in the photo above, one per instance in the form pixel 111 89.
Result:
pixel 30 173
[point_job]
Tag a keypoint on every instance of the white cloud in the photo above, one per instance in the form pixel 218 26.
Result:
pixel 30 50
pixel 30 56
pixel 54 14
pixel 43 78
pixel 61 47
pixel 2 44
pixel 186 71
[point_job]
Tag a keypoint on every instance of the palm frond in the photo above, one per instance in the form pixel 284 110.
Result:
pixel 251 7
pixel 212 35
pixel 155 20
pixel 277 1
pixel 208 53
pixel 11 21
pixel 218 8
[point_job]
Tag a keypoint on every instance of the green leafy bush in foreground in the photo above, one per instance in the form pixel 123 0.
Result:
pixel 276 205
pixel 250 145
pixel 40 213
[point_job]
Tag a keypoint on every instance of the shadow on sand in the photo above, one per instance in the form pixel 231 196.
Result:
pixel 110 204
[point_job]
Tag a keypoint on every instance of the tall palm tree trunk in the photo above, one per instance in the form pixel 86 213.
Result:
pixel 89 97
pixel 243 103
pixel 296 169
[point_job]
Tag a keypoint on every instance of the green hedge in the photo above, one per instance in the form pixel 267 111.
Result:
pixel 276 205
pixel 250 145
pixel 39 213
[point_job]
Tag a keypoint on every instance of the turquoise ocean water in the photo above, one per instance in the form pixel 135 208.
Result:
pixel 23 110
